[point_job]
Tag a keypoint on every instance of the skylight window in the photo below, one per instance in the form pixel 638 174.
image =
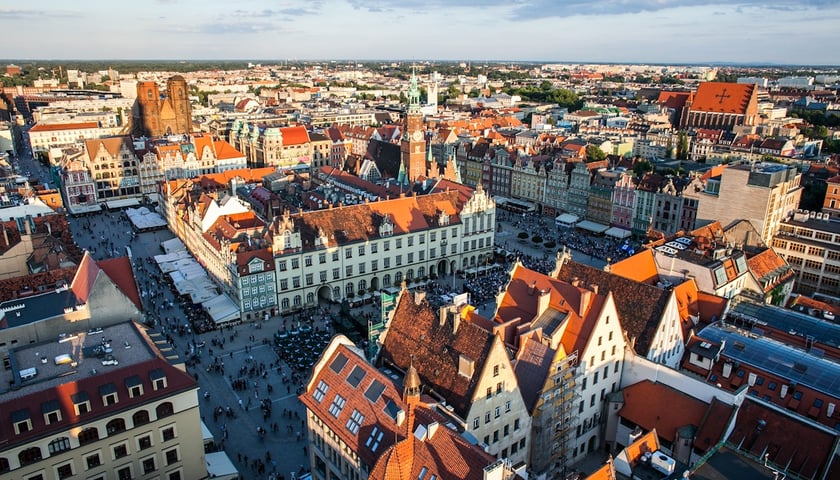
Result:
pixel 339 363
pixel 356 376
pixel 374 391
pixel 320 391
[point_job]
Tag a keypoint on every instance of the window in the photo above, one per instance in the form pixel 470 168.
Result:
pixel 592 400
pixel 617 366
pixel 475 423
pixel 495 436
pixel 495 370
pixel 335 256
pixel 171 456
pixel 361 250
pixel 115 426
pixel 595 378
pixel 506 431
pixel 516 425
pixel 165 409
pixel 310 279
pixel 149 465
pixel 320 391
pixel 507 406
pixel 93 461
pixel 4 464
pixel 81 403
pixel 295 263
pixel 144 442
pixel 281 266
pixel 487 417
pixel 88 435
pixel 167 433
pixel 120 451
pixel 30 455
pixel 64 471
pixel 176 475
pixel 59 445
pixel 284 284
pixel 51 411
pixel 373 248
pixel 489 392
pixel 355 421
pixel 373 440
pixel 322 258
pixel 140 418
pixel 348 270
pixel 337 405
pixel 374 265
pixel 134 385
pixel 124 473
pixel 307 260
pixel 386 245
pixel 498 412
pixel 348 253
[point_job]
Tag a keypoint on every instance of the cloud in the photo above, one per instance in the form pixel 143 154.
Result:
pixel 536 9
pixel 19 14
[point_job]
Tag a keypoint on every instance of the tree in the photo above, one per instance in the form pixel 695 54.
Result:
pixel 682 145
pixel 641 167
pixel 594 154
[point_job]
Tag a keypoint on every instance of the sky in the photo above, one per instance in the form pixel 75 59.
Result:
pixel 802 32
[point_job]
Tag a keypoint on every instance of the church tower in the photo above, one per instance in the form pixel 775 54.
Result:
pixel 413 144
pixel 177 94
pixel 147 120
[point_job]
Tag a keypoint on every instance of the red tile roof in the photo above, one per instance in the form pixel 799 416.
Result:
pixel 294 135
pixel 55 127
pixel 84 278
pixel 787 441
pixel 640 267
pixel 769 265
pixel 675 100
pixel 417 337
pixel 119 270
pixel 722 97
pixel 654 405
pixel 225 151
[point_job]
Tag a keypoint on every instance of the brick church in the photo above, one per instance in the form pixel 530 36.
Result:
pixel 156 115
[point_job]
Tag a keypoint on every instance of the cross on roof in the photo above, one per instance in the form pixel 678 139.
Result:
pixel 722 96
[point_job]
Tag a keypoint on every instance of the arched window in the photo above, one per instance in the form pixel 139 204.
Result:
pixel 386 280
pixel 310 297
pixel 165 409
pixel 398 278
pixel 362 284
pixel 88 435
pixel 409 275
pixel 348 289
pixel 297 300
pixel 59 445
pixel 4 464
pixel 336 293
pixel 284 303
pixel 421 272
pixel 116 425
pixel 30 455
pixel 140 418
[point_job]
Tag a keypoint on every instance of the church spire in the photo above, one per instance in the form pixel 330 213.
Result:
pixel 413 93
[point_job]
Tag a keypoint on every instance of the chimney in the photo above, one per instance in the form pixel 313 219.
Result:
pixel 400 417
pixel 431 429
pixel 442 315
pixel 585 300
pixel 543 301
pixel 575 282
pixel 784 391
pixel 456 321
pixel 532 288
pixel 727 371
pixel 594 288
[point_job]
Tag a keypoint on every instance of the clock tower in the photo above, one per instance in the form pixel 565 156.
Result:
pixel 413 143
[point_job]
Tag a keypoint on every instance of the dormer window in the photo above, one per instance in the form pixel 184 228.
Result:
pixel 134 386
pixel 108 392
pixel 81 402
pixel 51 412
pixel 21 421
pixel 158 379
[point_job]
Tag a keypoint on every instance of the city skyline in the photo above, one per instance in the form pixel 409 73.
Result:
pixel 602 31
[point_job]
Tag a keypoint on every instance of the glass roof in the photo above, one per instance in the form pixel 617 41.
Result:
pixel 777 358
pixel 794 323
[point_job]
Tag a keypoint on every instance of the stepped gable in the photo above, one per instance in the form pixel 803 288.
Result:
pixel 417 337
pixel 639 305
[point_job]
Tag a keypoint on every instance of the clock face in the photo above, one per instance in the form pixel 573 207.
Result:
pixel 417 135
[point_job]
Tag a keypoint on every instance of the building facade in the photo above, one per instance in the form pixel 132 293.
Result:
pixel 170 115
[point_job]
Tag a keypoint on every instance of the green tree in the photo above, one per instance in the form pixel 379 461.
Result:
pixel 641 167
pixel 682 145
pixel 594 154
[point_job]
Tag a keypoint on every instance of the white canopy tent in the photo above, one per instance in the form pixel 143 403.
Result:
pixel 173 245
pixel 144 219
pixel 221 309
pixel 220 467
pixel 592 226
pixel 122 203
pixel 618 233
pixel 566 220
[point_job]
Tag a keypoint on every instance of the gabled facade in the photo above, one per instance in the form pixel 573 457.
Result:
pixel 114 167
pixel 465 365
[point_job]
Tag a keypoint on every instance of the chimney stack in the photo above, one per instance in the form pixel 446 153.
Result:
pixel 543 300
pixel 532 288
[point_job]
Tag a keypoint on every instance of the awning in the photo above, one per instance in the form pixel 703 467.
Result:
pixel 206 434
pixel 617 232
pixel 220 467
pixel 567 219
pixel 592 226
pixel 221 309
pixel 122 203
pixel 80 209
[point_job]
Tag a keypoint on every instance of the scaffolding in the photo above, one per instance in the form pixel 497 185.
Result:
pixel 556 417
